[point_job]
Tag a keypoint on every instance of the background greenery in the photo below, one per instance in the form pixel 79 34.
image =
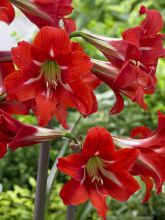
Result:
pixel 18 169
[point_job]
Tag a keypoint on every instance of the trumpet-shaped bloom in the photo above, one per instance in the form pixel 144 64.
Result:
pixel 98 171
pixel 151 161
pixel 42 13
pixel 132 60
pixel 14 134
pixel 51 71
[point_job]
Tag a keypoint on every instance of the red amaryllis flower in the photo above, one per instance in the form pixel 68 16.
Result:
pixel 51 71
pixel 133 59
pixel 128 80
pixel 14 134
pixel 145 41
pixel 151 161
pixel 42 13
pixel 98 171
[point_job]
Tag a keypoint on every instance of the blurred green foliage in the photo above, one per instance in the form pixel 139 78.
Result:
pixel 18 169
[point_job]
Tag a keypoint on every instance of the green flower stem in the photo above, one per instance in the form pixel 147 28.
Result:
pixel 76 34
pixel 53 173
pixel 40 197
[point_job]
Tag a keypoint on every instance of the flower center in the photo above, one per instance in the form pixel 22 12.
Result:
pixel 93 167
pixel 52 73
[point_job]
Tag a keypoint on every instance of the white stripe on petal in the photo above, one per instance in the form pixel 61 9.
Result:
pixel 37 63
pixel 111 176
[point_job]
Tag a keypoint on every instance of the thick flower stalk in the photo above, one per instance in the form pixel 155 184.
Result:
pixel 151 161
pixel 132 60
pixel 14 134
pixel 98 171
pixel 52 71
pixel 42 13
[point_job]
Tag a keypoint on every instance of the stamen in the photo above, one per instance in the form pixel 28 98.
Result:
pixel 93 179
pixel 100 181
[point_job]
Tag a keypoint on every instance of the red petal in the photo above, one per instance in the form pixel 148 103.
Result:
pixel 99 140
pixel 39 55
pixel 61 115
pixel 125 159
pixel 72 166
pixel 141 130
pixel 7 13
pixel 92 81
pixel 95 104
pixel 53 41
pixel 132 35
pixel 98 201
pixel 6 68
pixel 69 25
pixel 10 123
pixel 78 63
pixel 51 13
pixel 153 22
pixel 83 95
pixel 149 186
pixel 48 102
pixel 14 107
pixel 150 164
pixel 24 137
pixel 74 193
pixel 18 88
pixel 121 186
pixel 119 104
pixel 3 150
pixel 152 49
pixel 22 57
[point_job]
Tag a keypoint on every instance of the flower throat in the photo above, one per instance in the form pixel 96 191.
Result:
pixel 52 73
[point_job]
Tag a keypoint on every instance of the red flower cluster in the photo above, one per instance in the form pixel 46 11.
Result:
pixel 52 73
pixel 132 60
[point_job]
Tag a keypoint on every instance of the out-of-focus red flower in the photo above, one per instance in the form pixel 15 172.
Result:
pixel 98 171
pixel 57 11
pixel 11 107
pixel 132 60
pixel 145 41
pixel 14 134
pixel 151 161
pixel 42 13
pixel 52 72
pixel 7 12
